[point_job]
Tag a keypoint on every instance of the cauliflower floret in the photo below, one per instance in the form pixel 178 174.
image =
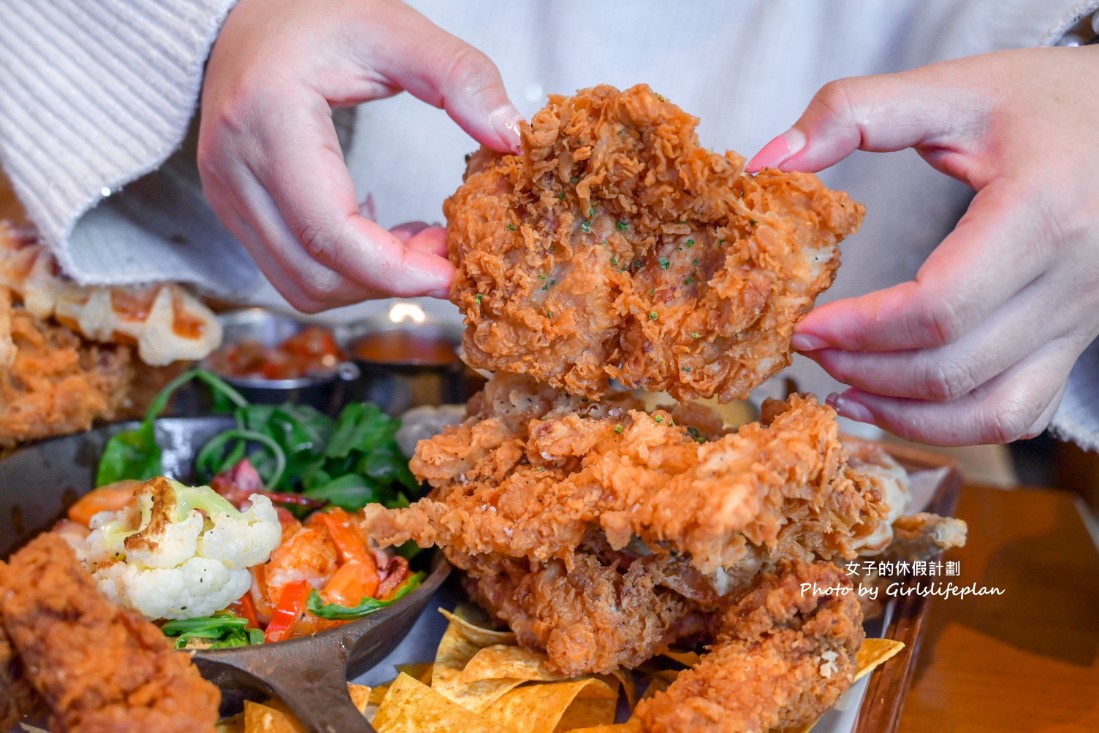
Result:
pixel 243 539
pixel 184 552
pixel 198 587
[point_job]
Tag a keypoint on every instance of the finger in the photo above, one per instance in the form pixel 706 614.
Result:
pixel 458 78
pixel 989 257
pixel 1017 404
pixel 431 240
pixel 408 229
pixel 1021 326
pixel 277 255
pixel 880 113
pixel 312 188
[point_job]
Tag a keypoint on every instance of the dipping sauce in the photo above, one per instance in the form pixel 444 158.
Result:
pixel 405 346
pixel 312 351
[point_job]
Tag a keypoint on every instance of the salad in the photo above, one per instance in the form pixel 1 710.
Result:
pixel 267 545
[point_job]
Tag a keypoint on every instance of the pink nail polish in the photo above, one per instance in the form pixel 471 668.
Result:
pixel 505 121
pixel 778 151
pixel 849 408
pixel 807 342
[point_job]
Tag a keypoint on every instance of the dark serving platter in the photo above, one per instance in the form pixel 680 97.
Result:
pixel 38 482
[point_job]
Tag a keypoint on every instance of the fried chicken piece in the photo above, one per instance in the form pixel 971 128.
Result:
pixel 59 383
pixel 609 610
pixel 527 475
pixel 17 696
pixel 783 657
pixel 100 668
pixel 615 247
pixel 592 618
pixel 922 536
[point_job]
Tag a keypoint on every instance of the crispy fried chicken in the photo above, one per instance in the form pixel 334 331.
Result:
pixel 100 668
pixel 615 247
pixel 57 382
pixel 604 534
pixel 529 473
pixel 783 657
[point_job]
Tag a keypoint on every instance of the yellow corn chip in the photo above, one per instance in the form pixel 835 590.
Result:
pixel 413 707
pixel 500 661
pixel 633 725
pixel 232 724
pixel 540 708
pixel 873 652
pixel 460 642
pixel 360 696
pixel 627 684
pixel 687 659
pixel 263 718
pixel 481 635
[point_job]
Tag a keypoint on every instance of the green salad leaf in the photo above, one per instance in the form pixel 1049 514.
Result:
pixel 134 454
pixel 225 631
pixel 334 611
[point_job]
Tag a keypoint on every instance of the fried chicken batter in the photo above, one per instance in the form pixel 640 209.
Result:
pixel 100 668
pixel 604 534
pixel 57 383
pixel 528 474
pixel 615 247
pixel 782 658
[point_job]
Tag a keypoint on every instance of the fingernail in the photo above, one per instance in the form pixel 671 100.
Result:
pixel 807 342
pixel 849 408
pixel 778 151
pixel 505 121
pixel 368 208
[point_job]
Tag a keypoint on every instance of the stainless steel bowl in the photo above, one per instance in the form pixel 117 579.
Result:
pixel 327 392
pixel 413 359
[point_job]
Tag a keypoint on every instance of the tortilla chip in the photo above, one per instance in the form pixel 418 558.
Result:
pixel 264 718
pixel 687 659
pixel 481 635
pixel 360 696
pixel 460 643
pixel 500 661
pixel 874 652
pixel 627 684
pixel 659 681
pixel 541 708
pixel 232 724
pixel 413 707
pixel 633 725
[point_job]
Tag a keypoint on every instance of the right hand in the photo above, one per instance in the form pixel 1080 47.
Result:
pixel 270 162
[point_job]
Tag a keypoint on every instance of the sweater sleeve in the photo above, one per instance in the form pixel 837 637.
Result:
pixel 97 98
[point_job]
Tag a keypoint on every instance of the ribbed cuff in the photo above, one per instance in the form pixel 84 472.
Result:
pixel 94 95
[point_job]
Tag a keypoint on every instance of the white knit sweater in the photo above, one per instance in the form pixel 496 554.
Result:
pixel 97 98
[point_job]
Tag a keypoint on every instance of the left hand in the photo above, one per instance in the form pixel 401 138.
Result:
pixel 977 349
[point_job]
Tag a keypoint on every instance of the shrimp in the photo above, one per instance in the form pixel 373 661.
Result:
pixel 109 498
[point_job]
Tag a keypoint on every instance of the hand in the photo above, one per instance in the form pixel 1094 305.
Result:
pixel 270 162
pixel 977 349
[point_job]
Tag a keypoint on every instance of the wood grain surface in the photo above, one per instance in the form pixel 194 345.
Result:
pixel 1027 660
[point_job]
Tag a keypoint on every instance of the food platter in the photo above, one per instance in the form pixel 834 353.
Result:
pixel 40 480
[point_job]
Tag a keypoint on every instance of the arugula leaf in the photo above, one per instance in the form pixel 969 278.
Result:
pixel 318 607
pixel 350 491
pixel 212 632
pixel 134 454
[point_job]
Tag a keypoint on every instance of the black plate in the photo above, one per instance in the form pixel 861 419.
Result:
pixel 37 484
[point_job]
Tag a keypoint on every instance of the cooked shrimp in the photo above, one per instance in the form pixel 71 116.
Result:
pixel 109 498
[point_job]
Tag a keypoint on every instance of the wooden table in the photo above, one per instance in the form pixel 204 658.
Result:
pixel 1027 660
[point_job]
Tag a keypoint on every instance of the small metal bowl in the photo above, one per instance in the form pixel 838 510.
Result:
pixel 328 391
pixel 40 481
pixel 408 358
